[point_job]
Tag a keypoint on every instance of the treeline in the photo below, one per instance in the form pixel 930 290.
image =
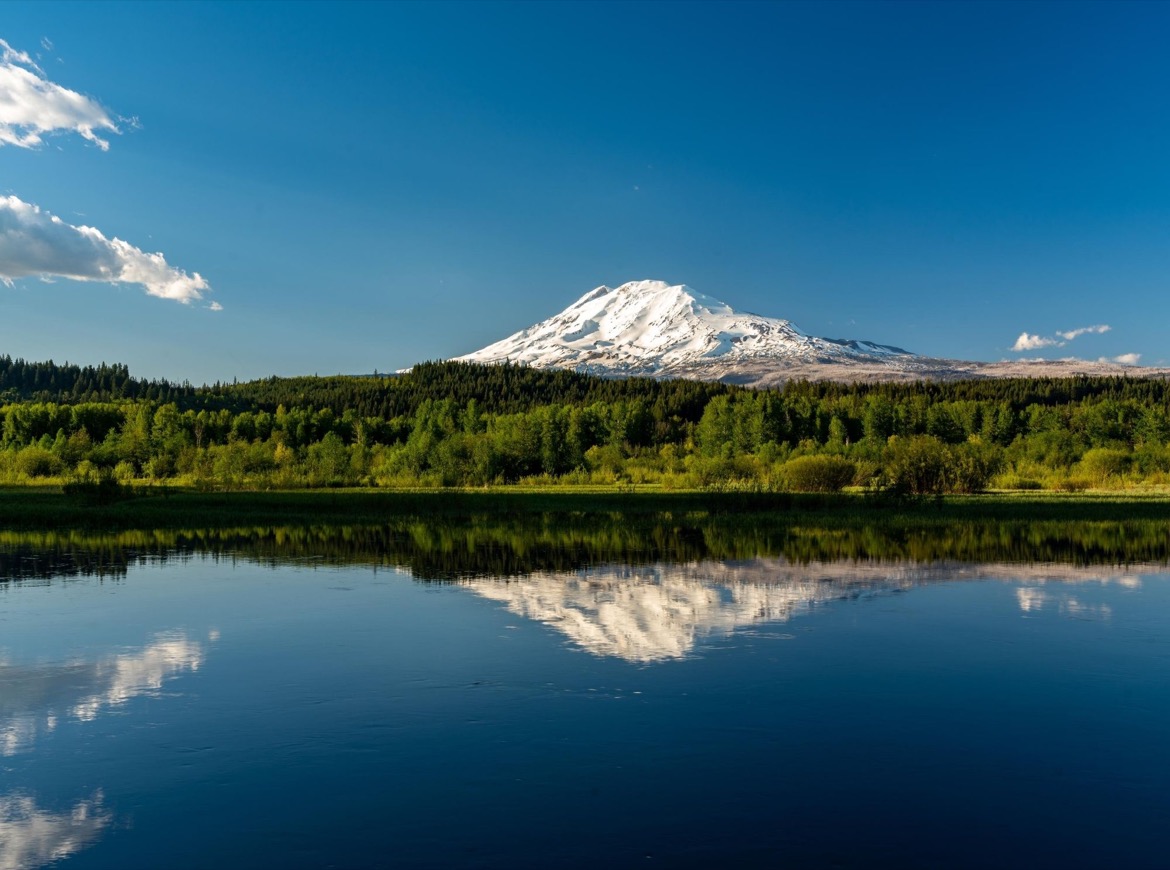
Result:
pixel 497 389
pixel 455 424
pixel 50 382
pixel 514 388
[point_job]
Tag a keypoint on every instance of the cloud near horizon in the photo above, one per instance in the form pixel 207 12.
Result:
pixel 31 106
pixel 1084 330
pixel 34 242
pixel 1036 342
pixel 1125 359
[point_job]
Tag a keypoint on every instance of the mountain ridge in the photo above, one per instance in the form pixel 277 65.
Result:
pixel 652 328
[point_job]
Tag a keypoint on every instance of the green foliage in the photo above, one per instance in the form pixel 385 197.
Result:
pixel 971 465
pixel 94 487
pixel 455 424
pixel 917 464
pixel 925 465
pixel 818 473
pixel 36 462
pixel 1100 464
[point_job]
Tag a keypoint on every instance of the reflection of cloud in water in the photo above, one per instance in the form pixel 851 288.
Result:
pixel 33 697
pixel 139 673
pixel 1031 599
pixel 1078 609
pixel 661 612
pixel 32 837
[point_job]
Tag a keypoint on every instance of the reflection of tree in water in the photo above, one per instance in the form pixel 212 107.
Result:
pixel 446 548
pixel 24 562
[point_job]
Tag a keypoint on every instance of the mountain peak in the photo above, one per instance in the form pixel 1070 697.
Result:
pixel 655 328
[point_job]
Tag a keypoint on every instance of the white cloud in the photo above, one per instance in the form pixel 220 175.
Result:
pixel 36 243
pixel 32 106
pixel 1084 330
pixel 1034 342
pixel 1125 359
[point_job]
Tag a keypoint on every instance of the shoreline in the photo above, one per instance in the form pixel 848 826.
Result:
pixel 32 508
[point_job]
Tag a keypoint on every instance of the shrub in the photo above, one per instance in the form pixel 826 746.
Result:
pixel 818 473
pixel 100 488
pixel 924 465
pixel 1102 463
pixel 1015 481
pixel 970 465
pixel 917 464
pixel 37 462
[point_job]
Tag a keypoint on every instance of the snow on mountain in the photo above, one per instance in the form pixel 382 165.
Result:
pixel 655 328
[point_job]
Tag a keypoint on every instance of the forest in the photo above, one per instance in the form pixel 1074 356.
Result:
pixel 462 425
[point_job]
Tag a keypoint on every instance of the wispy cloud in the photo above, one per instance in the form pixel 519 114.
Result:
pixel 31 106
pixel 35 242
pixel 1034 342
pixel 1084 330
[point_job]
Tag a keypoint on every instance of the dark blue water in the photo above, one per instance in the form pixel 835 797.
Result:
pixel 219 714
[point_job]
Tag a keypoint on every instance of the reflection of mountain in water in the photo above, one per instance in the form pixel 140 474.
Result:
pixel 32 837
pixel 34 698
pixel 661 612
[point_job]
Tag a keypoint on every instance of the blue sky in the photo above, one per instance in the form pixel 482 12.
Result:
pixel 361 187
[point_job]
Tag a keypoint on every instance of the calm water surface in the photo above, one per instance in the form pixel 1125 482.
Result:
pixel 234 712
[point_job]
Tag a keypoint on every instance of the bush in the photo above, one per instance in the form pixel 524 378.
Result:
pixel 1015 481
pixel 917 465
pixel 101 488
pixel 924 465
pixel 37 462
pixel 970 465
pixel 1102 463
pixel 818 473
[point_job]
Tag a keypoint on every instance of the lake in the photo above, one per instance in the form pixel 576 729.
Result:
pixel 486 694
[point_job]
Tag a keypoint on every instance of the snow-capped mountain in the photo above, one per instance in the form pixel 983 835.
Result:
pixel 655 328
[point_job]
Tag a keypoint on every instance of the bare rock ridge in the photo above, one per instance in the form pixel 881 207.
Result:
pixel 656 329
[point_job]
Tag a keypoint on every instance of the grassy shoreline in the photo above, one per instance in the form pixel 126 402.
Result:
pixel 44 508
